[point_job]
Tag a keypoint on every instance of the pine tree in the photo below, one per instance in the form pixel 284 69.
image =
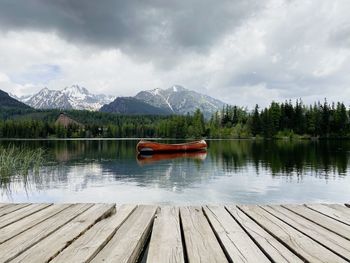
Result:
pixel 256 122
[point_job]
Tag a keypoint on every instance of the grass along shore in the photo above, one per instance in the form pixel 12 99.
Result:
pixel 19 161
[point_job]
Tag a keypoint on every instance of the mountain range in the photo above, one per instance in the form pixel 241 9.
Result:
pixel 180 100
pixel 174 100
pixel 74 97
pixel 133 106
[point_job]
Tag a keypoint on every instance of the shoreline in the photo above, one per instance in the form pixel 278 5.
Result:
pixel 181 139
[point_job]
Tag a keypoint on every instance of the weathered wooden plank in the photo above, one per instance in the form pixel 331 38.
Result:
pixel 298 242
pixel 320 219
pixel 17 245
pixel 49 247
pixel 86 247
pixel 237 244
pixel 11 208
pixel 120 238
pixel 272 247
pixel 166 244
pixel 20 214
pixel 332 241
pixel 331 212
pixel 25 224
pixel 201 243
pixel 4 204
pixel 128 242
pixel 341 208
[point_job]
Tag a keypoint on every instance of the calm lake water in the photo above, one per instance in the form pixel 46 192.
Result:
pixel 239 171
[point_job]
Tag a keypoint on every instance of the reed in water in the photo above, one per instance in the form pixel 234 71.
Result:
pixel 19 161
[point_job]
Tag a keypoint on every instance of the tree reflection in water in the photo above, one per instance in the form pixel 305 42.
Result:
pixel 78 163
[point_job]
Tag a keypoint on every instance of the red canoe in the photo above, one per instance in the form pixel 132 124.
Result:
pixel 150 147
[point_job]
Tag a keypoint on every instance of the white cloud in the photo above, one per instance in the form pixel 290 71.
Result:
pixel 286 50
pixel 101 71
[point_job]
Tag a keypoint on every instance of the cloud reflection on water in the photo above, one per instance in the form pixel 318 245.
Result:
pixel 232 171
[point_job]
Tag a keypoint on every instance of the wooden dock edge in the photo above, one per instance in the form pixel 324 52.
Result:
pixel 152 233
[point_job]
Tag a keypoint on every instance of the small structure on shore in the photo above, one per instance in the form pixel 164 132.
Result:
pixel 65 121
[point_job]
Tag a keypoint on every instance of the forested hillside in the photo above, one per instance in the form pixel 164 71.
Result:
pixel 7 102
pixel 279 120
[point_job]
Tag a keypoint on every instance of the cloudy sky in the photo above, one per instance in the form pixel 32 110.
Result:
pixel 242 52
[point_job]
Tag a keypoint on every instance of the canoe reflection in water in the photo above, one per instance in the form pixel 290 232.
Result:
pixel 143 159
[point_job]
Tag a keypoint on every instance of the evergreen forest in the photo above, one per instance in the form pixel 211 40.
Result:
pixel 278 120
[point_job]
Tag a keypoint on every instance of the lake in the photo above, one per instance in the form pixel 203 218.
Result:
pixel 232 171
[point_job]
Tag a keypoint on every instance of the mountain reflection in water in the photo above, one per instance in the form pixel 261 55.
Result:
pixel 242 171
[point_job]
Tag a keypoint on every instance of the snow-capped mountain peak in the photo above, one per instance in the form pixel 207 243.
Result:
pixel 76 91
pixel 45 91
pixel 155 91
pixel 177 88
pixel 180 100
pixel 176 100
pixel 73 97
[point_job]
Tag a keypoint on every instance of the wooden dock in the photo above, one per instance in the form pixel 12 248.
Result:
pixel 143 233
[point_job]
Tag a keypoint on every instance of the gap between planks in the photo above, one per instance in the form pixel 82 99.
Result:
pixel 185 234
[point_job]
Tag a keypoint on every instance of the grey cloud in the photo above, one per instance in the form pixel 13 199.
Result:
pixel 240 51
pixel 289 84
pixel 150 29
pixel 341 36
